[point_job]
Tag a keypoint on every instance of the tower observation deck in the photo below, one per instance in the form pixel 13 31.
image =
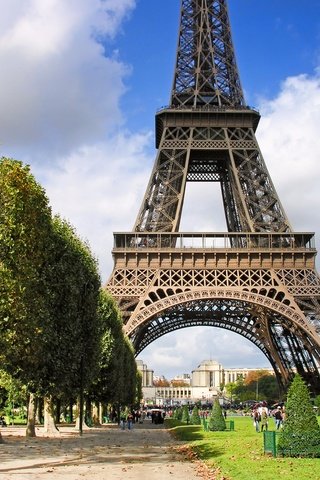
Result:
pixel 258 278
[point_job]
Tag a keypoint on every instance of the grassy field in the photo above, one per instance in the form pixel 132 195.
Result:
pixel 239 454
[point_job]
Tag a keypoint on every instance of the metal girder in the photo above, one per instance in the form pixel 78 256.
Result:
pixel 285 346
pixel 258 279
pixel 229 155
pixel 206 72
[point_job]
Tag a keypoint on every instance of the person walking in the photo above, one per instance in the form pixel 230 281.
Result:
pixel 264 419
pixel 123 419
pixel 130 420
pixel 256 419
pixel 278 417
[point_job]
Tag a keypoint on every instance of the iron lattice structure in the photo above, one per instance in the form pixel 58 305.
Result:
pixel 259 278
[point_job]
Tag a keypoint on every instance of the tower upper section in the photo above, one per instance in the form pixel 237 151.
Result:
pixel 206 72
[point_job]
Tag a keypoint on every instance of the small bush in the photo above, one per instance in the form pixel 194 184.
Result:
pixel 195 417
pixel 177 413
pixel 217 422
pixel 301 432
pixel 185 414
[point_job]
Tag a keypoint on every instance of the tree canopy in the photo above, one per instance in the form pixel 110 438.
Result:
pixel 59 332
pixel 25 225
pixel 300 435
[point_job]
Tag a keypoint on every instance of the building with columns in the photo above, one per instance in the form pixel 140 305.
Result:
pixel 146 374
pixel 207 383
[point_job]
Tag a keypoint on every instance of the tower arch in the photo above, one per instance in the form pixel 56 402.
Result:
pixel 207 134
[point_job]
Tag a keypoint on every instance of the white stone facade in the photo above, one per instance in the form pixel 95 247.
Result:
pixel 207 383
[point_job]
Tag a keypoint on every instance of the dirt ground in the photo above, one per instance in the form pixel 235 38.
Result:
pixel 147 452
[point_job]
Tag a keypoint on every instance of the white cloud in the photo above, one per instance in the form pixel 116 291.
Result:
pixel 289 138
pixel 59 89
pixel 290 144
pixel 59 94
pixel 98 189
pixel 182 351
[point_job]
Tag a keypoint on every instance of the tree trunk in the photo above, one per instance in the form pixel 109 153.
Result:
pixel 84 425
pixel 31 418
pixel 96 415
pixel 58 410
pixel 88 414
pixel 49 423
pixel 100 413
pixel 38 402
pixel 71 410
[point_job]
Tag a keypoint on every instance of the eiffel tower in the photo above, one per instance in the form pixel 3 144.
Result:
pixel 258 279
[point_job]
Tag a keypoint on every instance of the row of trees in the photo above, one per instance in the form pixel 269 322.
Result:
pixel 60 333
pixel 216 421
pixel 258 385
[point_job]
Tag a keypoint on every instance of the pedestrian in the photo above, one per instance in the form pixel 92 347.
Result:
pixel 278 418
pixel 123 419
pixel 256 419
pixel 130 420
pixel 264 419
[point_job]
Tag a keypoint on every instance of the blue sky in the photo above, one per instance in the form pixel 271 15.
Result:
pixel 273 40
pixel 81 82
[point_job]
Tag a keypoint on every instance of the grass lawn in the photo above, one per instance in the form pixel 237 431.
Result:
pixel 239 454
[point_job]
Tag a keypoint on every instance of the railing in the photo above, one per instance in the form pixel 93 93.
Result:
pixel 300 445
pixel 229 425
pixel 208 108
pixel 207 240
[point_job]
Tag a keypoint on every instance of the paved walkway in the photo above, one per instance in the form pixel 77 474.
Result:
pixel 147 452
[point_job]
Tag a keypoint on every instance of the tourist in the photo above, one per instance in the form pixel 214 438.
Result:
pixel 278 418
pixel 123 419
pixel 130 420
pixel 264 419
pixel 256 419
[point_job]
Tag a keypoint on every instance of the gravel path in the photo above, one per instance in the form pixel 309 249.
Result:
pixel 147 452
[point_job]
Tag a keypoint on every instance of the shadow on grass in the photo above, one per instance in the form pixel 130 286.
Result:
pixel 208 450
pixel 186 433
pixel 205 448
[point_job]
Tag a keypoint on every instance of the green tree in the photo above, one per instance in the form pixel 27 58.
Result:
pixel 139 393
pixel 230 389
pixel 262 385
pixel 195 417
pixel 48 288
pixel 73 286
pixel 25 225
pixel 177 413
pixel 12 392
pixel 269 388
pixel 102 390
pixel 216 421
pixel 117 381
pixel 128 371
pixel 301 432
pixel 185 414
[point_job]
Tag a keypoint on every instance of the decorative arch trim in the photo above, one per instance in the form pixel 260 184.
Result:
pixel 295 315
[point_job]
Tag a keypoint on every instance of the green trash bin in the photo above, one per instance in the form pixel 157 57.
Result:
pixel 269 443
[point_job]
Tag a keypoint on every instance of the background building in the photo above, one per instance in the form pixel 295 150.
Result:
pixel 207 383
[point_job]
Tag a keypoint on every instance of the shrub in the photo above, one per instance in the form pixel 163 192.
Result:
pixel 301 432
pixel 177 413
pixel 185 414
pixel 216 421
pixel 195 417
